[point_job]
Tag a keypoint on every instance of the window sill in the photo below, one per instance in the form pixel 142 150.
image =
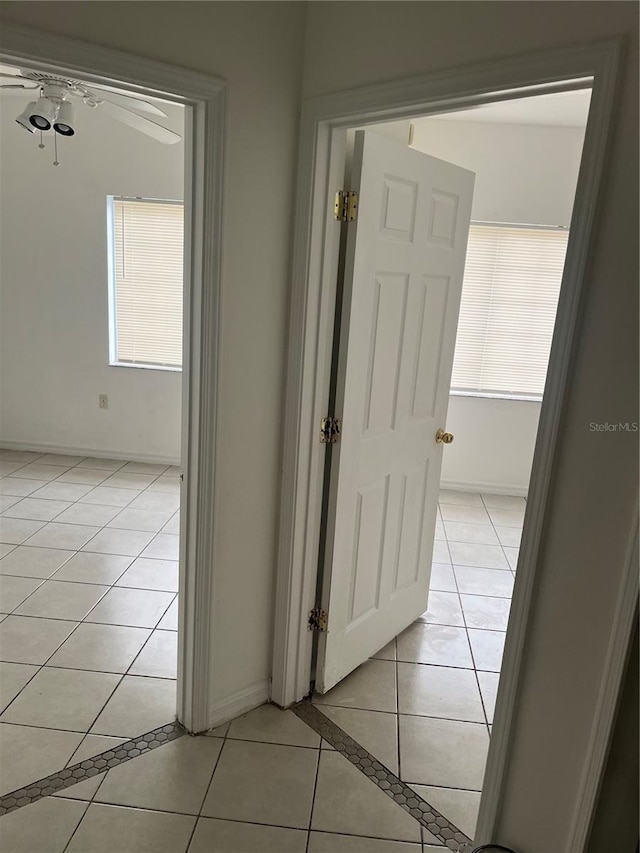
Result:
pixel 490 395
pixel 164 368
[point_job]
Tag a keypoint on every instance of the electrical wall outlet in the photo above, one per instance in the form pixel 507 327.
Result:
pixel 103 401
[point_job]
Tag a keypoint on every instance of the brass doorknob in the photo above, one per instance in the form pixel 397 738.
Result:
pixel 443 437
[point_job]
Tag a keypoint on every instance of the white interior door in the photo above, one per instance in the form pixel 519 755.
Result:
pixel 403 279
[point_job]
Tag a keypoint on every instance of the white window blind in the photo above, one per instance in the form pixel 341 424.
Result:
pixel 146 281
pixel 509 298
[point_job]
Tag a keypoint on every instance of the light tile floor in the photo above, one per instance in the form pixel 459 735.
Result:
pixel 261 784
pixel 88 589
pixel 264 783
pixel 424 704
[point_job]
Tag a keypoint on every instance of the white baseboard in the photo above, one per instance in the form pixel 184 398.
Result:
pixel 486 488
pixel 239 703
pixel 96 452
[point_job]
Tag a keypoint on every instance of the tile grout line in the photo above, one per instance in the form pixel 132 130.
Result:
pixel 464 619
pixel 84 620
pixel 496 532
pixel 81 459
pixel 40 666
pixel 466 631
pixel 46 665
pixel 206 791
pixel 111 472
pixel 423 663
pixel 395 650
pixel 154 629
pixel 146 642
pixel 99 553
pixel 55 479
pixel 132 490
pixel 43 665
pixel 106 670
pixel 36 497
pixel 93 796
pixel 513 574
pixel 57 649
pixel 313 797
pixel 464 616
pixel 91 801
pixel 83 549
pixel 397 790
pixel 472 594
pixel 46 580
pixel 475 669
pixel 77 826
pixel 41 727
pixel 89 583
pixel 83 770
pixel 321 705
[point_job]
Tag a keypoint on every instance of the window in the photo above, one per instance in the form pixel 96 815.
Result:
pixel 145 282
pixel 509 297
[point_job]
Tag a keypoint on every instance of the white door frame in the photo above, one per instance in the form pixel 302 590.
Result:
pixel 204 100
pixel 321 169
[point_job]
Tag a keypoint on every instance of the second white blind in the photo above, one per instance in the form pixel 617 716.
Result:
pixel 148 267
pixel 509 298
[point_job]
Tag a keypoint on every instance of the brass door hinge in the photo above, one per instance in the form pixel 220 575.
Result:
pixel 346 205
pixel 317 619
pixel 330 430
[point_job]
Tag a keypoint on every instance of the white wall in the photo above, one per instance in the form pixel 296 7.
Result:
pixel 493 444
pixel 257 46
pixel 54 338
pixel 525 174
pixel 595 477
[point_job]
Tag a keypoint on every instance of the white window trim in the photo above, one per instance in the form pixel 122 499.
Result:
pixel 495 395
pixel 111 278
pixel 501 395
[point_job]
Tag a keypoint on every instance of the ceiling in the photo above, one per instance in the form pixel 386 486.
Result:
pixel 562 109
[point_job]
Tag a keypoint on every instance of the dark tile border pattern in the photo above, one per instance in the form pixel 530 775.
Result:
pixel 83 770
pixel 401 794
pixel 429 817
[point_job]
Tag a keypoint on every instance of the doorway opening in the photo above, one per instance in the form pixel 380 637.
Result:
pixel 91 404
pixel 74 592
pixel 323 159
pixel 423 702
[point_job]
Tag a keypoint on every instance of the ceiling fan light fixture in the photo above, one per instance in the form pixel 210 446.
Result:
pixel 65 120
pixel 42 114
pixel 23 118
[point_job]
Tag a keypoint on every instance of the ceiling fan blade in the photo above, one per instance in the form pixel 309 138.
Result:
pixel 17 86
pixel 128 102
pixel 144 125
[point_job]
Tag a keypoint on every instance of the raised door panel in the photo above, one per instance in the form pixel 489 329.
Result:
pixel 368 547
pixel 384 352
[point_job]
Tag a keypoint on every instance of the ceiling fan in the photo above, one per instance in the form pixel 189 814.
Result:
pixel 54 109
